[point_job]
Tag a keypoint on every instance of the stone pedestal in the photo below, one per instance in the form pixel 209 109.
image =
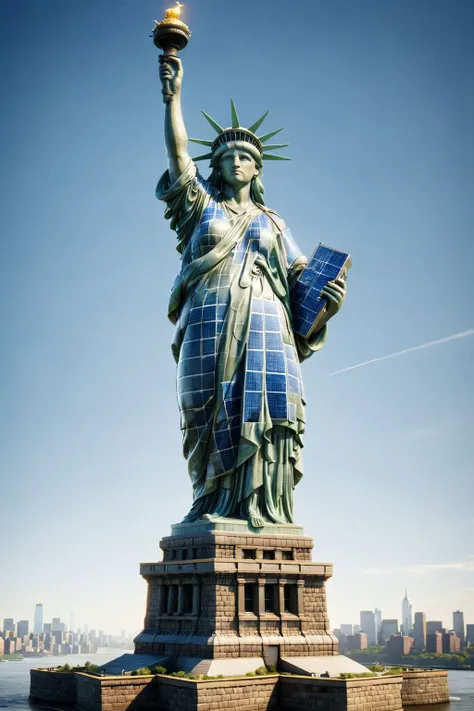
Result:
pixel 224 591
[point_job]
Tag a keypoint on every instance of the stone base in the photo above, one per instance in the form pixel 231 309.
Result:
pixel 223 591
pixel 127 663
pixel 85 692
pixel 219 667
pixel 317 666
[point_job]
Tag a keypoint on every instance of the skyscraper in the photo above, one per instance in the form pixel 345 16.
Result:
pixel 433 626
pixel 367 625
pixel 419 630
pixel 22 628
pixel 378 625
pixel 8 624
pixel 406 616
pixel 458 626
pixel 389 627
pixel 38 623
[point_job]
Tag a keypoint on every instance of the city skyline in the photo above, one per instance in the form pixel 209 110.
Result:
pixel 382 167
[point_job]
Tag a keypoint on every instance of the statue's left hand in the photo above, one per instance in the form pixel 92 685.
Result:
pixel 335 293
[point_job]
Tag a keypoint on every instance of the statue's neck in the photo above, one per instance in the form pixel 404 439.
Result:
pixel 237 198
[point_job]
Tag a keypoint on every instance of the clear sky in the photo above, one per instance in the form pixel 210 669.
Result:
pixel 377 101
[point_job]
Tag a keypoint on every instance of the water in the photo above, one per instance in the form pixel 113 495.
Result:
pixel 15 676
pixel 15 682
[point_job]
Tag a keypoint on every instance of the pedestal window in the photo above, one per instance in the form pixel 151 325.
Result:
pixel 269 598
pixel 250 597
pixel 290 599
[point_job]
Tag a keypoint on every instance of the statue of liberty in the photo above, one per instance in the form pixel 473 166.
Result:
pixel 239 384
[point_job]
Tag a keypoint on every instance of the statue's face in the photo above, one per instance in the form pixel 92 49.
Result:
pixel 237 167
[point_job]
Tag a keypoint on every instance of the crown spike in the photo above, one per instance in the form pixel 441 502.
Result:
pixel 203 157
pixel 258 122
pixel 264 138
pixel 274 146
pixel 235 118
pixel 198 140
pixel 214 124
pixel 272 156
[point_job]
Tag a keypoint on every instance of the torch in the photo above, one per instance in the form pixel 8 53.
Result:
pixel 171 35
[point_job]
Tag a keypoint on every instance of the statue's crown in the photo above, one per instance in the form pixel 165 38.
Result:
pixel 239 134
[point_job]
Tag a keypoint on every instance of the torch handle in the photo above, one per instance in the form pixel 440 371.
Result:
pixel 166 90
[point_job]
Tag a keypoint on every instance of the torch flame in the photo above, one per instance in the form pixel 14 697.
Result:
pixel 173 13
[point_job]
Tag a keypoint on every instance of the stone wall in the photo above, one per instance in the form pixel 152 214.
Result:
pixel 53 686
pixel 168 694
pixel 115 693
pixel 85 692
pixel 313 694
pixel 253 694
pixel 426 687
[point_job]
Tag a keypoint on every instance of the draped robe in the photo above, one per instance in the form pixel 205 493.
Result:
pixel 239 384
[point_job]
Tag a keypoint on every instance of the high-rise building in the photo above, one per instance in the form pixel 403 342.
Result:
pixel 451 642
pixel 8 624
pixel 56 624
pixel 470 634
pixel 347 629
pixel 22 628
pixel 419 631
pixel 356 641
pixel 378 625
pixel 433 626
pixel 388 628
pixel 399 646
pixel 406 615
pixel 367 625
pixel 72 622
pixel 434 642
pixel 38 623
pixel 458 626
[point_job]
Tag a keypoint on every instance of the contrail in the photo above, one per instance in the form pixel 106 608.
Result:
pixel 463 334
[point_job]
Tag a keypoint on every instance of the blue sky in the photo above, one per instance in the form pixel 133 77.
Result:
pixel 377 103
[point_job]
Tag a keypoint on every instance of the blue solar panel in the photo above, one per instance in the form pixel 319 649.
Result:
pixel 256 340
pixel 273 341
pixel 208 364
pixel 255 360
pixel 306 301
pixel 208 328
pixel 209 313
pixel 272 323
pixel 275 361
pixel 277 404
pixel 256 322
pixel 276 382
pixel 252 403
pixel 254 381
pixel 208 346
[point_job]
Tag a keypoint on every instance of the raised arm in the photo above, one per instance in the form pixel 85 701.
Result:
pixel 176 138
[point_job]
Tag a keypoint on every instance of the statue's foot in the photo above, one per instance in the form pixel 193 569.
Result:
pixel 257 521
pixel 211 517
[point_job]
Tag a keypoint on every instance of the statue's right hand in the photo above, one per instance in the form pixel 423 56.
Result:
pixel 171 70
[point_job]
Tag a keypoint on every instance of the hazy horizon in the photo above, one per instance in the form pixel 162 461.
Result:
pixel 382 167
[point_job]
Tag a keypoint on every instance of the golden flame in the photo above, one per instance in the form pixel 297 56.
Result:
pixel 173 13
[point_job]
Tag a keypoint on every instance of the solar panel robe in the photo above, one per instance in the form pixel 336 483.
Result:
pixel 239 384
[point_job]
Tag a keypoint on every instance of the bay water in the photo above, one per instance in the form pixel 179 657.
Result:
pixel 15 682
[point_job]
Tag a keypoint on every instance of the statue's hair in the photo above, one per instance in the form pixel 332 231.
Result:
pixel 256 186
